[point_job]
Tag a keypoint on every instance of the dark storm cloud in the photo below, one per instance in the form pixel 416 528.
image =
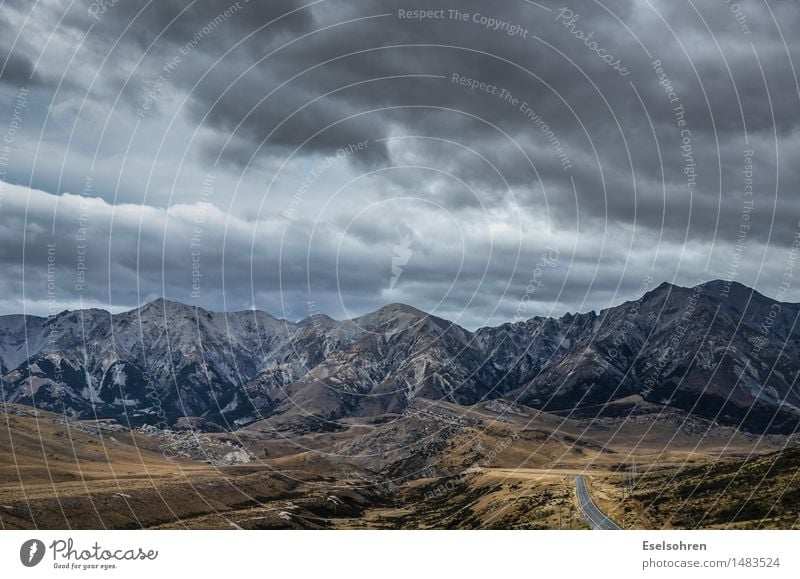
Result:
pixel 628 161
pixel 16 66
pixel 469 271
pixel 17 71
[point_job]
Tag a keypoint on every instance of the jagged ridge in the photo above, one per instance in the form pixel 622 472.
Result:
pixel 720 351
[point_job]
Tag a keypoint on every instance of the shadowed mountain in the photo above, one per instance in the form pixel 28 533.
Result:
pixel 719 351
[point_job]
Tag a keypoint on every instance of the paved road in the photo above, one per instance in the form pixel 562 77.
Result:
pixel 597 518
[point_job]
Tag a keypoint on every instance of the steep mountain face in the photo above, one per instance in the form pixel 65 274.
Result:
pixel 395 355
pixel 724 353
pixel 153 364
pixel 727 356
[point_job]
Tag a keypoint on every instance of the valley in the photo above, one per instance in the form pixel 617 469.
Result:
pixel 677 410
pixel 408 472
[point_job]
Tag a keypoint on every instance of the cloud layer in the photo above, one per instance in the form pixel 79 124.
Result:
pixel 327 146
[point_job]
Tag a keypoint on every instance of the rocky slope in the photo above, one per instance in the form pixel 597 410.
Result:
pixel 724 353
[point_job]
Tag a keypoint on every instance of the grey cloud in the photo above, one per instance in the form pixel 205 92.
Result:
pixel 18 71
pixel 478 279
pixel 625 155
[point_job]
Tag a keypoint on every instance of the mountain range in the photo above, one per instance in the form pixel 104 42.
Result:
pixel 719 351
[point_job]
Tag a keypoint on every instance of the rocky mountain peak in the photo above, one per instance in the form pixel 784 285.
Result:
pixel 391 317
pixel 163 306
pixel 719 354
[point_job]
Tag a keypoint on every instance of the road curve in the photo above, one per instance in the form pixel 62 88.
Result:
pixel 598 520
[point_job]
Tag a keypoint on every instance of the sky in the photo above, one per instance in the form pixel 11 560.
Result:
pixel 486 163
